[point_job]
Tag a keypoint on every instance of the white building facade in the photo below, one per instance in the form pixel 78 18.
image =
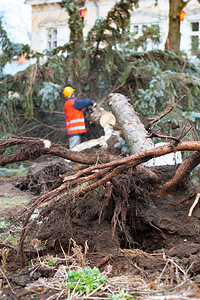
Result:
pixel 190 29
pixel 50 22
pixel 148 14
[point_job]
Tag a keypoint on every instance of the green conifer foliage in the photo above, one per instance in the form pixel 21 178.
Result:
pixel 75 23
pixel 49 93
pixel 105 62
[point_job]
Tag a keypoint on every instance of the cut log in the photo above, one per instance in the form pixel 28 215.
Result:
pixel 135 133
pixel 132 128
pixel 107 120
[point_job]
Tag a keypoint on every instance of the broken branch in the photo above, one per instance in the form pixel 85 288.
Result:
pixel 193 205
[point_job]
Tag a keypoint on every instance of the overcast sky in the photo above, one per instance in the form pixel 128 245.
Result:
pixel 16 19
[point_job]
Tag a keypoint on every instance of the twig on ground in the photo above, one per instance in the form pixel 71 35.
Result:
pixel 193 205
pixel 65 256
pixel 139 269
pixel 4 276
pixel 160 276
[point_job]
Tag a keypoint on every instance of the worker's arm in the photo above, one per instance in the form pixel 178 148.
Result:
pixel 81 103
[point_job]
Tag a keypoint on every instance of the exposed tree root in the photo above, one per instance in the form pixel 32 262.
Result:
pixel 99 174
pixel 181 174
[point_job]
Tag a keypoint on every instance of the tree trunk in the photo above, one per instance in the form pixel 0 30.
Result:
pixel 175 7
pixel 133 130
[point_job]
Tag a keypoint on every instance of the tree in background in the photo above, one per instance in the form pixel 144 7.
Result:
pixel 174 36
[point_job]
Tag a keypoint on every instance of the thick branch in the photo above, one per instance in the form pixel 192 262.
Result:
pixel 31 148
pixel 181 173
pixel 146 155
pixel 34 148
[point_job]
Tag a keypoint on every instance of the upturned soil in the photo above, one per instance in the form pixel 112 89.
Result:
pixel 141 243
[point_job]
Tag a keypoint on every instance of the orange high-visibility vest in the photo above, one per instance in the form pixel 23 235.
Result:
pixel 75 123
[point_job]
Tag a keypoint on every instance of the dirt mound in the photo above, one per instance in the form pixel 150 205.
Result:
pixel 123 213
pixel 129 232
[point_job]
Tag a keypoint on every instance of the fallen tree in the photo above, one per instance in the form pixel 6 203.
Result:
pixel 100 174
pixel 101 171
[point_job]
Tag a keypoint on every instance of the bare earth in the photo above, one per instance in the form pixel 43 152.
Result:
pixel 161 265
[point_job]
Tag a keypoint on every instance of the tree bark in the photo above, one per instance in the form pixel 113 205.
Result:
pixel 175 7
pixel 32 148
pixel 133 130
pixel 181 174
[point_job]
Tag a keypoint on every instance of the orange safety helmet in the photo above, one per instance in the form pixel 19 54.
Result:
pixel 68 90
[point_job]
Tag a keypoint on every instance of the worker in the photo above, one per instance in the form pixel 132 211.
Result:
pixel 74 112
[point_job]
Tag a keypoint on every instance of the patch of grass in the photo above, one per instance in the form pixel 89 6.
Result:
pixel 11 172
pixel 7 236
pixel 84 281
pixel 122 295
pixel 12 203
pixel 50 260
pixel 29 265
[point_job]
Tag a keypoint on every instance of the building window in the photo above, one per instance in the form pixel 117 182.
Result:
pixel 155 45
pixel 135 29
pixel 195 26
pixel 136 47
pixel 195 37
pixel 144 46
pixel 54 44
pixel 144 28
pixel 194 44
pixel 52 38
